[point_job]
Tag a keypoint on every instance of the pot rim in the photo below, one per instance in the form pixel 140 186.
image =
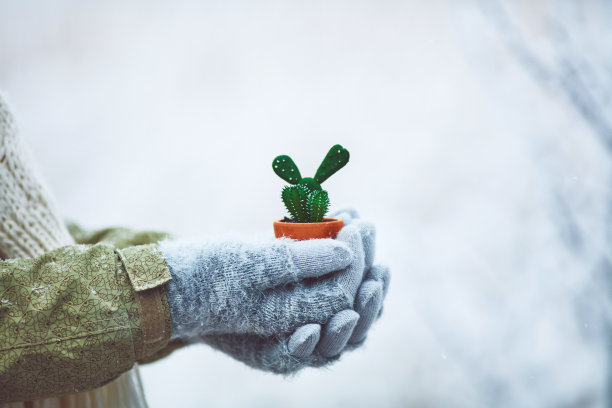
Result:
pixel 329 220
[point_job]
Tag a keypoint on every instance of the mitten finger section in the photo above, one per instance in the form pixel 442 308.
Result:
pixel 367 304
pixel 304 340
pixel 337 333
pixel 318 257
pixel 382 274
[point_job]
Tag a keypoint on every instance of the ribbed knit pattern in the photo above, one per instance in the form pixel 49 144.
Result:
pixel 29 227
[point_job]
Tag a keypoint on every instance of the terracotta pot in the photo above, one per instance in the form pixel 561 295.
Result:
pixel 308 230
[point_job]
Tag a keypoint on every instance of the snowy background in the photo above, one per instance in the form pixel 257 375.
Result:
pixel 480 135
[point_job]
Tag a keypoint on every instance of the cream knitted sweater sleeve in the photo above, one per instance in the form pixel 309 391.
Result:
pixel 28 222
pixel 29 227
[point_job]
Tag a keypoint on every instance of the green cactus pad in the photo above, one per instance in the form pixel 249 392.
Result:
pixel 319 205
pixel 336 158
pixel 286 169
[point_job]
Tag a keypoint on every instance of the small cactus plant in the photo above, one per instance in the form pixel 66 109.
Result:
pixel 305 199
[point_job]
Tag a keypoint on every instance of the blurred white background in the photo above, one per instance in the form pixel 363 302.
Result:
pixel 480 135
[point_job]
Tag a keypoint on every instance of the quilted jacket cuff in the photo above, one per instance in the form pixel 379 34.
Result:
pixel 148 273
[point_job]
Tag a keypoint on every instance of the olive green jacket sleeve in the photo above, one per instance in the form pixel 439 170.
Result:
pixel 77 317
pixel 121 237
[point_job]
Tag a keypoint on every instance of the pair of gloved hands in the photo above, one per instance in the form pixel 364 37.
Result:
pixel 279 305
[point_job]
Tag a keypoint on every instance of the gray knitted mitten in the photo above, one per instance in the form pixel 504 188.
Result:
pixel 315 345
pixel 321 333
pixel 237 287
